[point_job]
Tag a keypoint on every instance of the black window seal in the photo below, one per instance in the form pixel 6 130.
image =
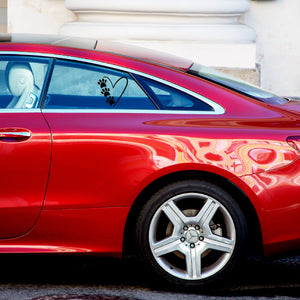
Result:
pixel 139 80
pixel 47 82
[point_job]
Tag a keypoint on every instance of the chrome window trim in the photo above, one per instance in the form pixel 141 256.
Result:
pixel 128 111
pixel 20 110
pixel 218 109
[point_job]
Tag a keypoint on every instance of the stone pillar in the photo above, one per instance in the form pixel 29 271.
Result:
pixel 3 16
pixel 207 31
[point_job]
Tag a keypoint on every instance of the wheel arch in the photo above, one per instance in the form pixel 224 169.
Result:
pixel 255 233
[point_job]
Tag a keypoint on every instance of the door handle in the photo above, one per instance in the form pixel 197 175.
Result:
pixel 14 134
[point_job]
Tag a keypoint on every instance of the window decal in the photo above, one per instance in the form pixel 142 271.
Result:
pixel 113 91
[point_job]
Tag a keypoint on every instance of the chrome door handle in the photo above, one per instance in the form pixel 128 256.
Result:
pixel 14 134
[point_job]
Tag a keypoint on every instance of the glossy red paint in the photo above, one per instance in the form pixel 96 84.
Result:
pixel 132 151
pixel 94 230
pixel 277 190
pixel 24 166
pixel 70 186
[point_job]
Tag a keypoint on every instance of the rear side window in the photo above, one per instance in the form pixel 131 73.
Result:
pixel 236 84
pixel 83 86
pixel 169 98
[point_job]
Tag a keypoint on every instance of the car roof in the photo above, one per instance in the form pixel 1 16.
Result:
pixel 53 40
pixel 135 52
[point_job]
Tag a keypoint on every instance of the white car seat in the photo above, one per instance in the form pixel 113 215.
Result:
pixel 20 82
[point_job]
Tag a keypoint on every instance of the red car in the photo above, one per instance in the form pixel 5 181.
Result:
pixel 111 150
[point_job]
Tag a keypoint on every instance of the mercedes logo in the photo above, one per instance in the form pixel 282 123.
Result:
pixel 192 236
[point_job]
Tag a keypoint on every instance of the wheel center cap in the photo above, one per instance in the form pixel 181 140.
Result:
pixel 192 236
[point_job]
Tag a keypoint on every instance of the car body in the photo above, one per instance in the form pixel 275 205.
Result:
pixel 111 150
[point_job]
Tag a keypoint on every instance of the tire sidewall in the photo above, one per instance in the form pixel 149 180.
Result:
pixel 188 186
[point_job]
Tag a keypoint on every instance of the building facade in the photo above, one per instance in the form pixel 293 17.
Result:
pixel 255 40
pixel 3 16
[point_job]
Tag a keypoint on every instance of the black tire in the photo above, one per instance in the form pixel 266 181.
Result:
pixel 191 233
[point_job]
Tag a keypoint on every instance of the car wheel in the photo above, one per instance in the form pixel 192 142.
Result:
pixel 191 233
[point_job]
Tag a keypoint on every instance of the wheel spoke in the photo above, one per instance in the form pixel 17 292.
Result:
pixel 215 242
pixel 207 212
pixel 174 214
pixel 166 246
pixel 193 262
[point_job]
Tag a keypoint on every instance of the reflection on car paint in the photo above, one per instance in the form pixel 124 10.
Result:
pixel 237 156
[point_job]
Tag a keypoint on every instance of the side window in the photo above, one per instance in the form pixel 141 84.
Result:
pixel 83 86
pixel 21 81
pixel 169 98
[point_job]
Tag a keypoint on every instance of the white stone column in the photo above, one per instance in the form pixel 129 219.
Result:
pixel 3 16
pixel 208 31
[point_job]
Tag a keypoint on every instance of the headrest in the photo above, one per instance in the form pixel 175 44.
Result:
pixel 19 78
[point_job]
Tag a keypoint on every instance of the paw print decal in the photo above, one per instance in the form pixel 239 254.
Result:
pixel 110 100
pixel 105 92
pixel 112 92
pixel 102 83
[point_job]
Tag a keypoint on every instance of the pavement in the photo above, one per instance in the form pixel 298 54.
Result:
pixel 48 277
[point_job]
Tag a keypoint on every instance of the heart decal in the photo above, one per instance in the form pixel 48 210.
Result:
pixel 113 91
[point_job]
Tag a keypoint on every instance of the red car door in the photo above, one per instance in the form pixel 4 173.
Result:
pixel 25 144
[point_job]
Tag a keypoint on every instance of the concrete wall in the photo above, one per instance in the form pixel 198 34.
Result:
pixel 3 16
pixel 37 16
pixel 277 26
